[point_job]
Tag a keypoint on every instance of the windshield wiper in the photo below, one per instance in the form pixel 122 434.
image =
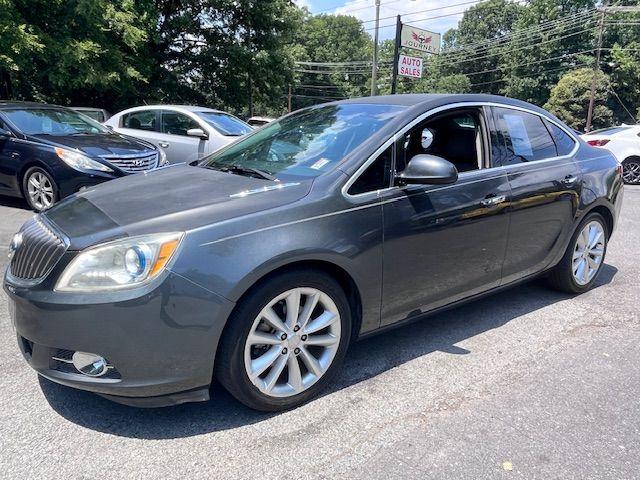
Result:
pixel 239 169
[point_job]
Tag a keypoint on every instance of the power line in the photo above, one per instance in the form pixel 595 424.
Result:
pixel 354 9
pixel 504 79
pixel 425 11
pixel 542 27
pixel 563 22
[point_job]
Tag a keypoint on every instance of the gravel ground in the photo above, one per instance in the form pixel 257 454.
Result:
pixel 528 383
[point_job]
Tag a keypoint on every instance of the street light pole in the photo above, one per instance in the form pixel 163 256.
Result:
pixel 596 68
pixel 374 68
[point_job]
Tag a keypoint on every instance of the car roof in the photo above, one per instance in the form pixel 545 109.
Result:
pixel 7 104
pixel 425 99
pixel 185 108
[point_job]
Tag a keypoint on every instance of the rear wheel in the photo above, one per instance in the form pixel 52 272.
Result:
pixel 285 341
pixel 39 189
pixel 631 171
pixel 582 262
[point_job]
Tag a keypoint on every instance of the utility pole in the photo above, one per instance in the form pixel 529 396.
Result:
pixel 289 100
pixel 374 68
pixel 396 52
pixel 596 69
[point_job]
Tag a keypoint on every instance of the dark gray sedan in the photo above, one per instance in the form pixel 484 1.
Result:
pixel 259 265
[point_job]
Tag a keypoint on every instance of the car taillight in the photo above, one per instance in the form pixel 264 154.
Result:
pixel 598 143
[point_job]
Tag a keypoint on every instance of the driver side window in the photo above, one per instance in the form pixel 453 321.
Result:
pixel 456 136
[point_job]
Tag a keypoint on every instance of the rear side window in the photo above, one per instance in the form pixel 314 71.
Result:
pixel 143 120
pixel 564 143
pixel 376 177
pixel 524 136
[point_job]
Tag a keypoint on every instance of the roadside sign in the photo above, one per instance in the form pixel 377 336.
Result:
pixel 418 39
pixel 410 66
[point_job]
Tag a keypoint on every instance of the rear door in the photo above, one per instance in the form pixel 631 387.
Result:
pixel 443 243
pixel 545 181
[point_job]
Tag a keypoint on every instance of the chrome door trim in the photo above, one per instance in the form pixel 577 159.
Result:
pixel 376 193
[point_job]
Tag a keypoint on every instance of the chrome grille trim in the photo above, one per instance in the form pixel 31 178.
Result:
pixel 40 251
pixel 135 162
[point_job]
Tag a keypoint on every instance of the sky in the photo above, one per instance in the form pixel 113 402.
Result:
pixel 412 11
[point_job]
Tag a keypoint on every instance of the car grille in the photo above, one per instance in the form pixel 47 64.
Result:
pixel 134 163
pixel 40 250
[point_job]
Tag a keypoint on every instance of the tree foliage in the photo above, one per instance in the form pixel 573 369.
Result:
pixel 569 99
pixel 241 55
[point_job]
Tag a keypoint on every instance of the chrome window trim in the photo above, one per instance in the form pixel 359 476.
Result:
pixel 377 193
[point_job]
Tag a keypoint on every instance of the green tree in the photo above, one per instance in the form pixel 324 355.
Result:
pixel 569 99
pixel 333 39
pixel 18 44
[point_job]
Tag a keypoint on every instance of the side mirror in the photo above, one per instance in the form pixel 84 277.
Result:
pixel 197 132
pixel 428 170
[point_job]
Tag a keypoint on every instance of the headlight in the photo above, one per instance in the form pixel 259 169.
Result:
pixel 79 161
pixel 163 158
pixel 125 263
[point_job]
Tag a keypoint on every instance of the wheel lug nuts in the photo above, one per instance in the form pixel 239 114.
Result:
pixel 284 351
pixel 296 351
pixel 283 336
pixel 296 328
pixel 303 338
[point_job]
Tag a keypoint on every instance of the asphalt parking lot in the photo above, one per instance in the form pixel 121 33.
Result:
pixel 529 383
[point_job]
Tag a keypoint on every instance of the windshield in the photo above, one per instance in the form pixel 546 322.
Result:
pixel 51 121
pixel 226 124
pixel 308 143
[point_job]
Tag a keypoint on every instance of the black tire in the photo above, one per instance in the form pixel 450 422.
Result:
pixel 561 276
pixel 229 367
pixel 631 178
pixel 25 188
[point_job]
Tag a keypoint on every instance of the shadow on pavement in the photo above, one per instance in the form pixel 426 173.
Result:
pixel 437 333
pixel 13 202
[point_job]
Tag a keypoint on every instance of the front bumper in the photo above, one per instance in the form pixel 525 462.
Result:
pixel 160 341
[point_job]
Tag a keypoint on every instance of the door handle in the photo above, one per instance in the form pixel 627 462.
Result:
pixel 492 200
pixel 15 154
pixel 163 144
pixel 569 180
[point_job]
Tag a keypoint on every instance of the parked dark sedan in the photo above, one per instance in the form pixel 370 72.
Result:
pixel 49 152
pixel 259 265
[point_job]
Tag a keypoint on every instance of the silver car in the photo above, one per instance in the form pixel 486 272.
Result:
pixel 184 133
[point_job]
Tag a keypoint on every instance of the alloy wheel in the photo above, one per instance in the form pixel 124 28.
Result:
pixel 292 342
pixel 631 172
pixel 40 190
pixel 588 253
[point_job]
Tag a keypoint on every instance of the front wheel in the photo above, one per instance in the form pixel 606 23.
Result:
pixel 39 188
pixel 285 341
pixel 582 262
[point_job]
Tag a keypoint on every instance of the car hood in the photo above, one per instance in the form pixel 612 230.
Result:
pixel 98 144
pixel 175 198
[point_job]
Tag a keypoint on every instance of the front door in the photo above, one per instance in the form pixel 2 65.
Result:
pixel 444 243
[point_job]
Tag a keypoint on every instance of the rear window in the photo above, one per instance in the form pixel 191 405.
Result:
pixel 226 124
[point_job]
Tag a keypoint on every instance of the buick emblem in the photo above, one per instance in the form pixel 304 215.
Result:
pixel 15 244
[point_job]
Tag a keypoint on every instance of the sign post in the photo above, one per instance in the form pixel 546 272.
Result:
pixel 396 51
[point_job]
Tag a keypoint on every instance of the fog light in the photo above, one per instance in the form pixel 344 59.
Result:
pixel 89 364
